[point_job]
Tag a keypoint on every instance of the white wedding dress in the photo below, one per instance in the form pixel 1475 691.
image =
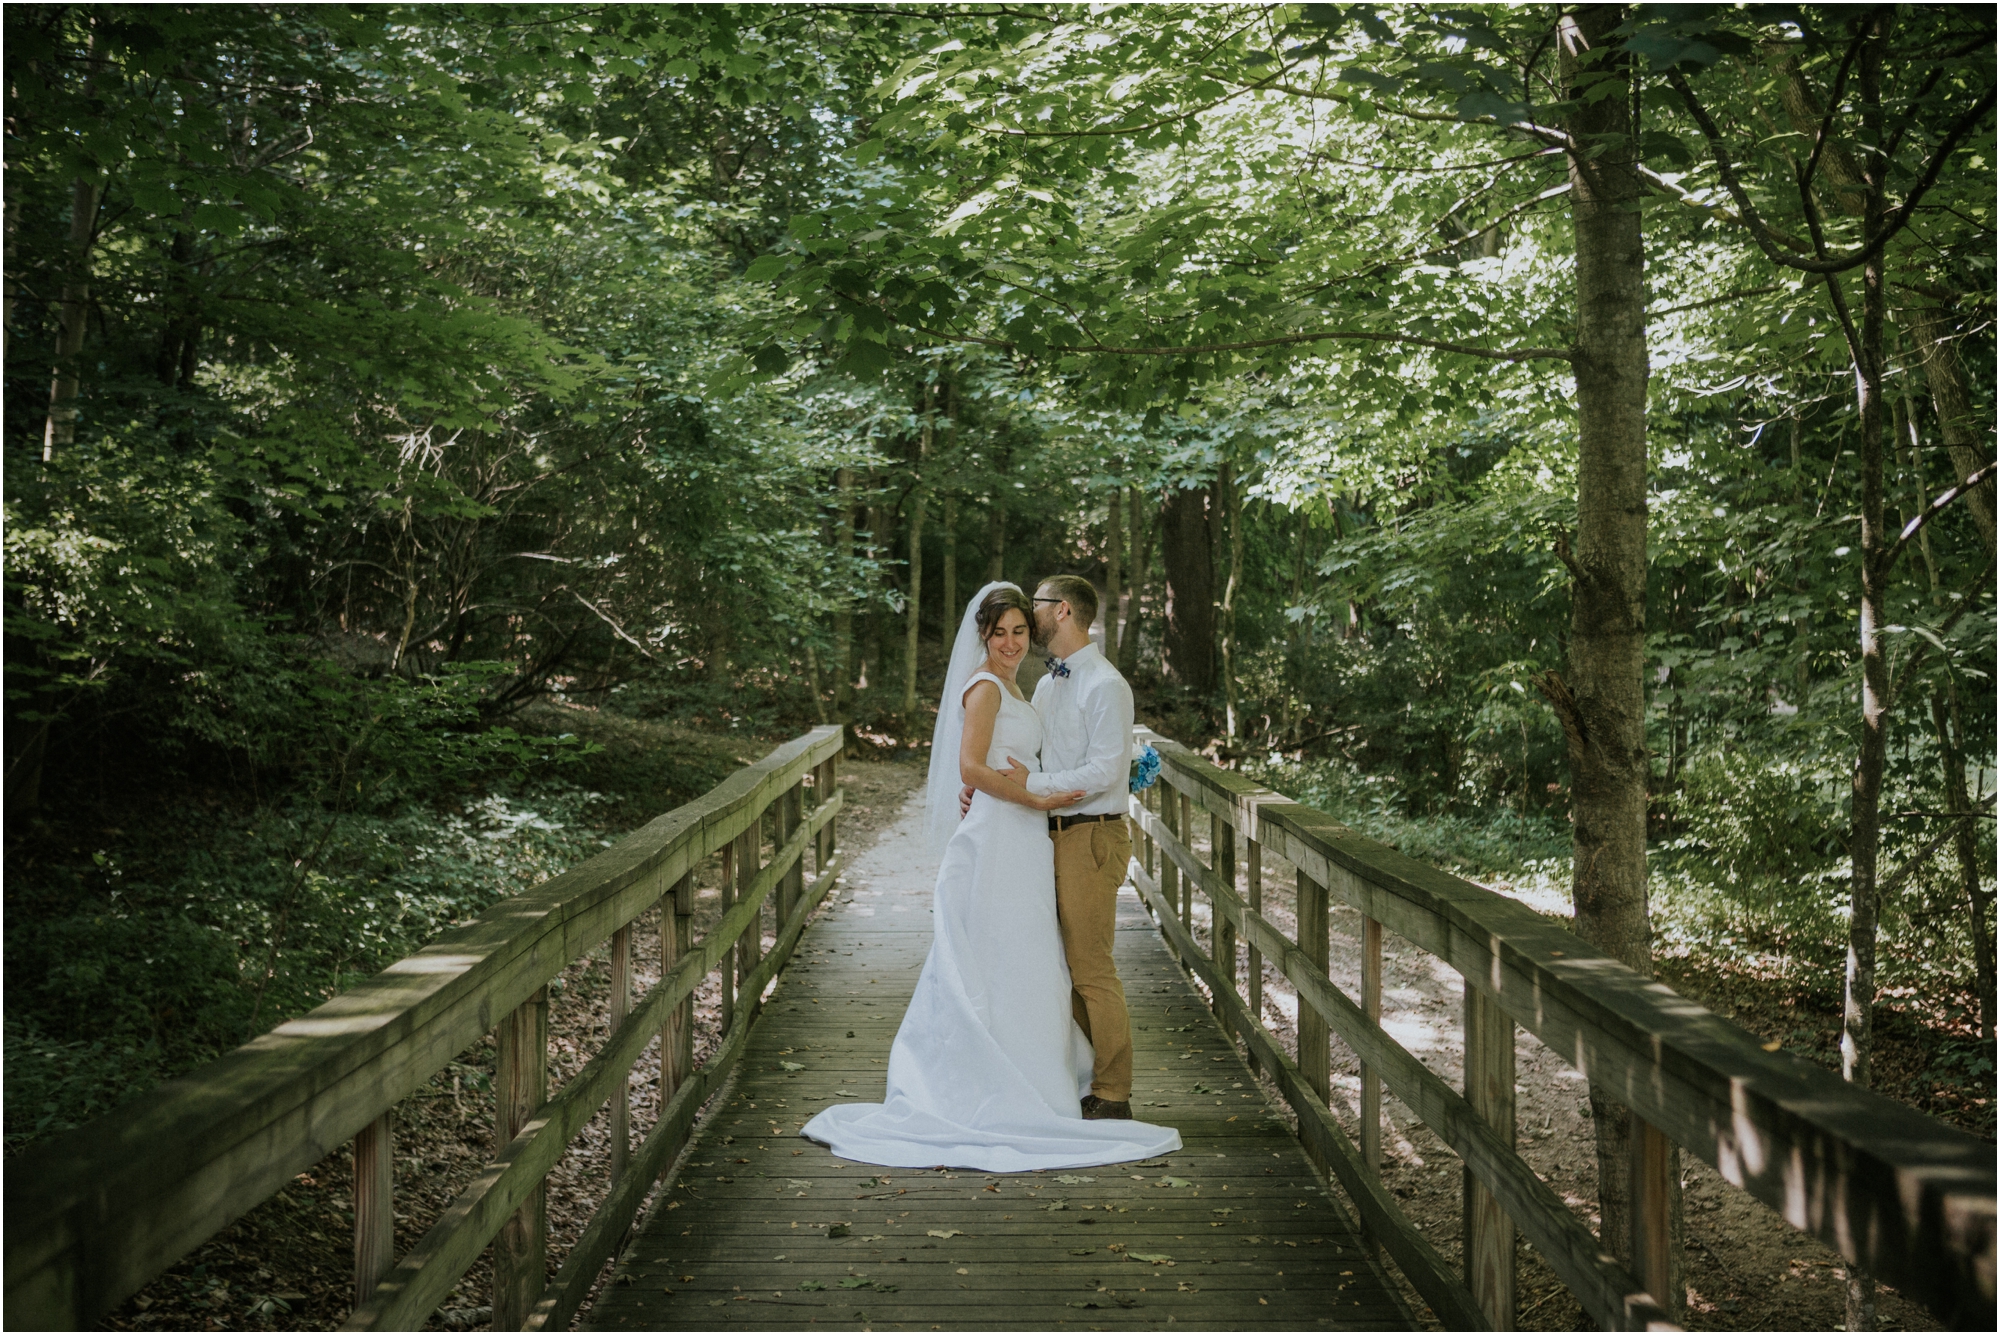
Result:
pixel 988 1068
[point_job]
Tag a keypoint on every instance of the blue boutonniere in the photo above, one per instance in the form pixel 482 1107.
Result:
pixel 1145 770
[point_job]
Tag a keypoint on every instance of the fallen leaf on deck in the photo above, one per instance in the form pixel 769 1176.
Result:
pixel 1152 1258
pixel 811 1286
pixel 944 1233
pixel 790 1066
pixel 1071 1179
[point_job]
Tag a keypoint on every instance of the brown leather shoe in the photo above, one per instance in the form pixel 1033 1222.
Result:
pixel 1100 1110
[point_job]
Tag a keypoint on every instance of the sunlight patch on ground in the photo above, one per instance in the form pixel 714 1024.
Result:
pixel 1417 1036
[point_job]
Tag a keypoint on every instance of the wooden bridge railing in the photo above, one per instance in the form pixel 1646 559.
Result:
pixel 95 1214
pixel 1882 1184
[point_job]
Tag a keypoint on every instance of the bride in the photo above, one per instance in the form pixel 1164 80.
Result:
pixel 988 1068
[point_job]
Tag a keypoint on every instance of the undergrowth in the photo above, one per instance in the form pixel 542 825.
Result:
pixel 138 951
pixel 1748 922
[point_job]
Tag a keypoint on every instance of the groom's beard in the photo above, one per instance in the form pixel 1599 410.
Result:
pixel 1043 631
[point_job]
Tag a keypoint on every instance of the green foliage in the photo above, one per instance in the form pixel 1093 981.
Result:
pixel 1490 843
pixel 1761 816
pixel 194 944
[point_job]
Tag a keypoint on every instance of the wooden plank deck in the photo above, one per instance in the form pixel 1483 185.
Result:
pixel 765 1230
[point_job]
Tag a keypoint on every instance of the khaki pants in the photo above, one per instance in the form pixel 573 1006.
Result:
pixel 1091 861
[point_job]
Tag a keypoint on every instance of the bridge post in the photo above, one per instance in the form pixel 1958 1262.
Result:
pixel 791 815
pixel 749 860
pixel 823 790
pixel 1187 842
pixel 1253 895
pixel 621 1003
pixel 521 1085
pixel 1489 1087
pixel 1170 816
pixel 1221 931
pixel 374 1205
pixel 732 853
pixel 1651 1211
pixel 1150 801
pixel 1371 1079
pixel 1315 1064
pixel 677 1034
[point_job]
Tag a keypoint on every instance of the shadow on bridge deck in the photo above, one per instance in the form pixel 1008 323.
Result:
pixel 762 1229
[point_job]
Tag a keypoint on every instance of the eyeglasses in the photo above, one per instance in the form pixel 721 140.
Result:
pixel 1051 600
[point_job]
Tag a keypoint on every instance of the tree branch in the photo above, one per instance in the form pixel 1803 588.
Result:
pixel 1936 507
pixel 1718 301
pixel 1895 220
pixel 1833 100
pixel 1267 82
pixel 1917 656
pixel 1285 340
pixel 1918 859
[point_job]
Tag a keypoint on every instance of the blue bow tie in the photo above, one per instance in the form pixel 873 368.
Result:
pixel 1057 668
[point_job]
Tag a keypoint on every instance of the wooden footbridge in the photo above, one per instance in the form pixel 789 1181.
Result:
pixel 714 1213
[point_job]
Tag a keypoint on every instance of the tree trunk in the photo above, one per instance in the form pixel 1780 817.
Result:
pixel 1114 569
pixel 996 543
pixel 1137 574
pixel 951 607
pixel 913 605
pixel 1858 1008
pixel 1950 726
pixel 1187 551
pixel 1936 339
pixel 1234 500
pixel 813 685
pixel 843 607
pixel 881 525
pixel 949 541
pixel 1602 705
pixel 60 427
pixel 1978 899
pixel 913 601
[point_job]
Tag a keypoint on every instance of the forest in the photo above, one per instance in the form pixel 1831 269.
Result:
pixel 1556 441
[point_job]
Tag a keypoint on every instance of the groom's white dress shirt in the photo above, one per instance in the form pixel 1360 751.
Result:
pixel 1086 734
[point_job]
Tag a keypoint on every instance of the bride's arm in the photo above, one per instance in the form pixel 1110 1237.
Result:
pixel 982 707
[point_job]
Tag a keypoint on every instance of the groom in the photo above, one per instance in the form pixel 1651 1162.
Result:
pixel 1086 710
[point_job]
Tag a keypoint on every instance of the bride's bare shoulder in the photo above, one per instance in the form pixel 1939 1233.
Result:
pixel 982 692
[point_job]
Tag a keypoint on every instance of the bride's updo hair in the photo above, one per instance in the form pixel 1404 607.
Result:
pixel 997 604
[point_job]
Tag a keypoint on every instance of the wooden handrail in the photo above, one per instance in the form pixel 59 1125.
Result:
pixel 96 1213
pixel 1887 1187
pixel 426 1276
